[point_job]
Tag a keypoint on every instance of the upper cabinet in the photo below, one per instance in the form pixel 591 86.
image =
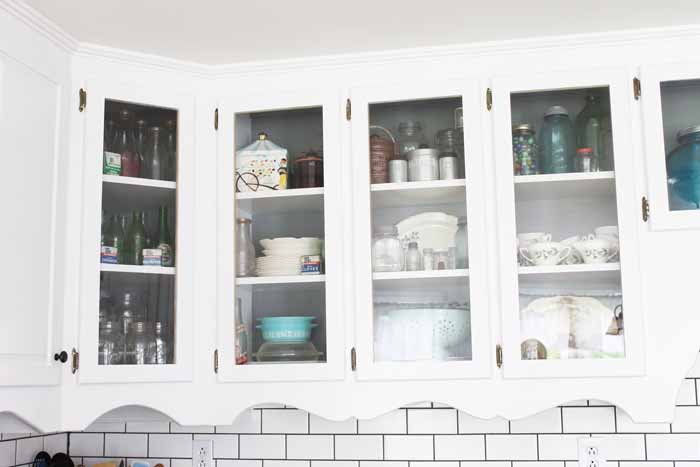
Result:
pixel 567 220
pixel 671 118
pixel 280 228
pixel 420 285
pixel 136 299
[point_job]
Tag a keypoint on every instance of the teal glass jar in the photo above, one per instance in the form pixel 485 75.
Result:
pixel 683 171
pixel 556 143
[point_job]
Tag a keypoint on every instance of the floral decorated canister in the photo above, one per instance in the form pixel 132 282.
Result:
pixel 261 166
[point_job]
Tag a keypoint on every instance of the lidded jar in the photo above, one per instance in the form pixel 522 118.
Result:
pixel 387 252
pixel 139 345
pixel 524 150
pixel 683 171
pixel 381 149
pixel 556 145
pixel 410 137
pixel 111 344
pixel 308 171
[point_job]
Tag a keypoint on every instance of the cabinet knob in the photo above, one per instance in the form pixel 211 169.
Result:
pixel 61 357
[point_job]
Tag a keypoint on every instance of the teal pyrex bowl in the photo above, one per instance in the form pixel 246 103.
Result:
pixel 286 328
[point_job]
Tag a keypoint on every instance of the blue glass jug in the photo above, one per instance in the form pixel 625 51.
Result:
pixel 557 143
pixel 683 171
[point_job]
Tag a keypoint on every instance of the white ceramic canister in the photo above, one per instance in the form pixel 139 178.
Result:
pixel 423 165
pixel 448 167
pixel 398 170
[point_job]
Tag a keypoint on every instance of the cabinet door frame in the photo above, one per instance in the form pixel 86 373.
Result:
pixel 98 90
pixel 480 366
pixel 621 98
pixel 661 217
pixel 334 366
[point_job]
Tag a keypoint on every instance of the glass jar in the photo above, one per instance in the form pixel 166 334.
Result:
pixel 245 251
pixel 683 171
pixel 139 345
pixel 160 347
pixel 410 137
pixel 380 151
pixel 585 160
pixel 524 150
pixel 451 141
pixel 413 258
pixel 427 259
pixel 556 142
pixel 308 171
pixel 111 344
pixel 462 254
pixel 441 260
pixel 130 310
pixel 387 253
pixel 594 130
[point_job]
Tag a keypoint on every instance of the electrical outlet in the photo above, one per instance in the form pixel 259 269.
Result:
pixel 202 453
pixel 590 452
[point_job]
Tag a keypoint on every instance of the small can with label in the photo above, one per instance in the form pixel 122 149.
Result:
pixel 112 163
pixel 448 166
pixel 109 255
pixel 152 257
pixel 398 170
pixel 310 265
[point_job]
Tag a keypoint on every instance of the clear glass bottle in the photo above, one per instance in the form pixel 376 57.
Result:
pixel 241 331
pixel 135 240
pixel 594 130
pixel 556 143
pixel 462 252
pixel 139 348
pixel 387 252
pixel 128 311
pixel 683 171
pixel 160 350
pixel 156 155
pixel 245 250
pixel 111 346
pixel 109 134
pixel 171 146
pixel 428 259
pixel 125 146
pixel 413 258
pixel 410 137
pixel 140 138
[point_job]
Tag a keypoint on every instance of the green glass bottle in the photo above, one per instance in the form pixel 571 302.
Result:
pixel 113 236
pixel 135 240
pixel 165 244
pixel 145 221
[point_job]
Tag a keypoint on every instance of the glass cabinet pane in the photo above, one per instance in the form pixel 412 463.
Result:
pixel 420 276
pixel 280 310
pixel 680 106
pixel 568 247
pixel 138 243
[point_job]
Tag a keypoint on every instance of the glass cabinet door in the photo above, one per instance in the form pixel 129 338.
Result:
pixel 280 312
pixel 671 108
pixel 135 317
pixel 567 221
pixel 421 299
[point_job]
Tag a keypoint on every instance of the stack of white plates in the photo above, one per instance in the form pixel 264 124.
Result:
pixel 283 255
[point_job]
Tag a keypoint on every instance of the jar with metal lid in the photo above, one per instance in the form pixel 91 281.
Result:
pixel 387 252
pixel 423 165
pixel 441 260
pixel 586 160
pixel 111 344
pixel 410 137
pixel 398 170
pixel 160 347
pixel 413 257
pixel 139 345
pixel 451 140
pixel 557 145
pixel 381 150
pixel 308 171
pixel 683 171
pixel 524 150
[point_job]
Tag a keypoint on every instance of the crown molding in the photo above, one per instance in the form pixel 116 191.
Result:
pixel 40 23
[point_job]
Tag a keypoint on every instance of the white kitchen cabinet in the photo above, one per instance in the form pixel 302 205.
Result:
pixel 431 322
pixel 670 97
pixel 561 295
pixel 299 122
pixel 119 290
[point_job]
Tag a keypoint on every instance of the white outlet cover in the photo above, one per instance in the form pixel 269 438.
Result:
pixel 591 452
pixel 202 453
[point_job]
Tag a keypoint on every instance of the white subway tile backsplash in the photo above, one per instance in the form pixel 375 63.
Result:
pixel 539 464
pixel 310 447
pixel 321 425
pixel 620 447
pixel 285 421
pixel 56 443
pixel 695 370
pixel 432 421
pixel 390 423
pixel 176 428
pixel 127 445
pixel 383 464
pixel 225 446
pixel 408 447
pixel 170 445
pixel 469 424
pixel 460 447
pixel 360 447
pixel 648 464
pixel 686 420
pixel 249 421
pixel 280 463
pixel 588 419
pixel 87 444
pixel 433 464
pixel 148 427
pixel 28 448
pixel 485 464
pixel 625 424
pixel 335 463
pixel 684 447
pixel 181 463
pixel 559 447
pixel 548 421
pixel 511 447
pixel 262 446
pixel 686 393
pixel 235 463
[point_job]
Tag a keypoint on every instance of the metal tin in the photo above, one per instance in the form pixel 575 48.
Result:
pixel 448 166
pixel 556 110
pixel 423 165
pixel 398 170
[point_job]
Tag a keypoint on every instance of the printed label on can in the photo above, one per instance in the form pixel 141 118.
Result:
pixel 166 253
pixel 112 163
pixel 152 257
pixel 109 255
pixel 310 265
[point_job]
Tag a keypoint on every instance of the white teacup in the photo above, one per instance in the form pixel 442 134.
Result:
pixel 575 256
pixel 607 231
pixel 527 239
pixel 546 253
pixel 596 250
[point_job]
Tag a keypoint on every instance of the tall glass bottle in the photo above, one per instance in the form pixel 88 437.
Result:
pixel 138 344
pixel 135 240
pixel 125 146
pixel 594 130
pixel 241 349
pixel 140 137
pixel 160 348
pixel 557 143
pixel 109 134
pixel 171 128
pixel 113 236
pixel 165 243
pixel 245 251
pixel 156 155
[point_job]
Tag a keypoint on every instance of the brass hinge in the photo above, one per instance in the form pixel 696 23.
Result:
pixel 82 96
pixel 216 361
pixel 637 88
pixel 75 361
pixel 499 356
pixel 645 209
pixel 216 119
pixel 489 99
pixel 353 359
pixel 348 110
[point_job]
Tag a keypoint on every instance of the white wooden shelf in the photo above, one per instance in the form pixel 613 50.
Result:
pixel 270 280
pixel 134 269
pixel 124 194
pixel 567 269
pixel 603 278
pixel 145 182
pixel 386 195
pixel 569 185
pixel 277 201
pixel 404 275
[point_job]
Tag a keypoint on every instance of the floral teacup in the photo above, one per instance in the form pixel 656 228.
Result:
pixel 606 231
pixel 527 239
pixel 596 250
pixel 575 256
pixel 546 253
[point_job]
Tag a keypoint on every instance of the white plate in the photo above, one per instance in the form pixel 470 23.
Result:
pixel 434 230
